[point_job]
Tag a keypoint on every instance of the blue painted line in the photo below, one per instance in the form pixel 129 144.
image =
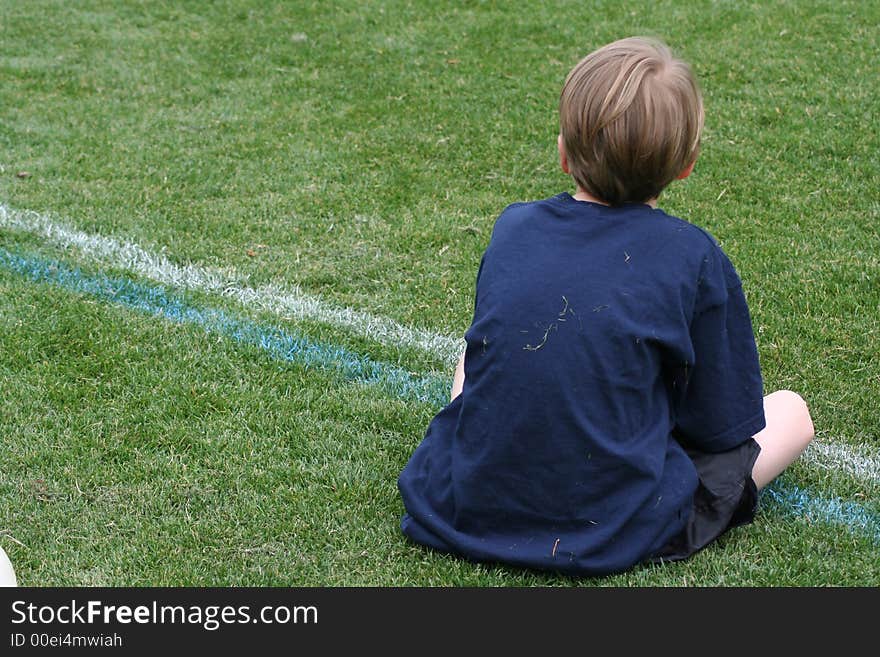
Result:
pixel 276 342
pixel 793 501
pixel 284 346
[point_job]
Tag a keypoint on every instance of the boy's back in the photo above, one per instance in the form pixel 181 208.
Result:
pixel 559 452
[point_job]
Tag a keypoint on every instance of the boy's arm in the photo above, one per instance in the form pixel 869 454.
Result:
pixel 458 378
pixel 721 402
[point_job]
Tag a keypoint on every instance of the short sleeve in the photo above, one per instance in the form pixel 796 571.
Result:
pixel 722 404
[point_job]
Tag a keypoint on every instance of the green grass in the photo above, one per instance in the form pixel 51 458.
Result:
pixel 362 151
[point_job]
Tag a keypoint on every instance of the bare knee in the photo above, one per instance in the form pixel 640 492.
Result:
pixel 787 434
pixel 796 412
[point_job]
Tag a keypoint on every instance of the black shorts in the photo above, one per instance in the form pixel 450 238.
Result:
pixel 726 497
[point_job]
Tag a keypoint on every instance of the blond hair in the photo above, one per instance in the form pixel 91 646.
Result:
pixel 630 115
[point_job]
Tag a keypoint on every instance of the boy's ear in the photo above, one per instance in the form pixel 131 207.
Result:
pixel 687 171
pixel 563 158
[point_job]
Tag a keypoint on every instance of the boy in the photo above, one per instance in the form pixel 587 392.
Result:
pixel 608 408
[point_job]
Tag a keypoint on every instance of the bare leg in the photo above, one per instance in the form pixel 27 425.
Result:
pixel 458 379
pixel 788 432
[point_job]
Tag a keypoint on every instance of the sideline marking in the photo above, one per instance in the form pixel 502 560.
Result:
pixel 284 302
pixel 797 502
pixel 855 461
pixel 278 343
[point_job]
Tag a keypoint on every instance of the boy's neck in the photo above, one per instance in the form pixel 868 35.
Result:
pixel 583 195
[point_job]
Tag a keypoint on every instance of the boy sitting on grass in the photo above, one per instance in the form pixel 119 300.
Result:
pixel 608 409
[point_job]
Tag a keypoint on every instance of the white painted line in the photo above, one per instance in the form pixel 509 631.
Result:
pixel 287 302
pixel 857 462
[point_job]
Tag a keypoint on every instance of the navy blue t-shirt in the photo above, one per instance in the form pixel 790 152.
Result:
pixel 603 339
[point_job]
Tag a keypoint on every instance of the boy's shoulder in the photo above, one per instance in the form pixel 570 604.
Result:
pixel 671 241
pixel 644 218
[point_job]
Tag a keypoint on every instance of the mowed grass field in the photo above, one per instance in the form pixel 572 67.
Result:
pixel 352 157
